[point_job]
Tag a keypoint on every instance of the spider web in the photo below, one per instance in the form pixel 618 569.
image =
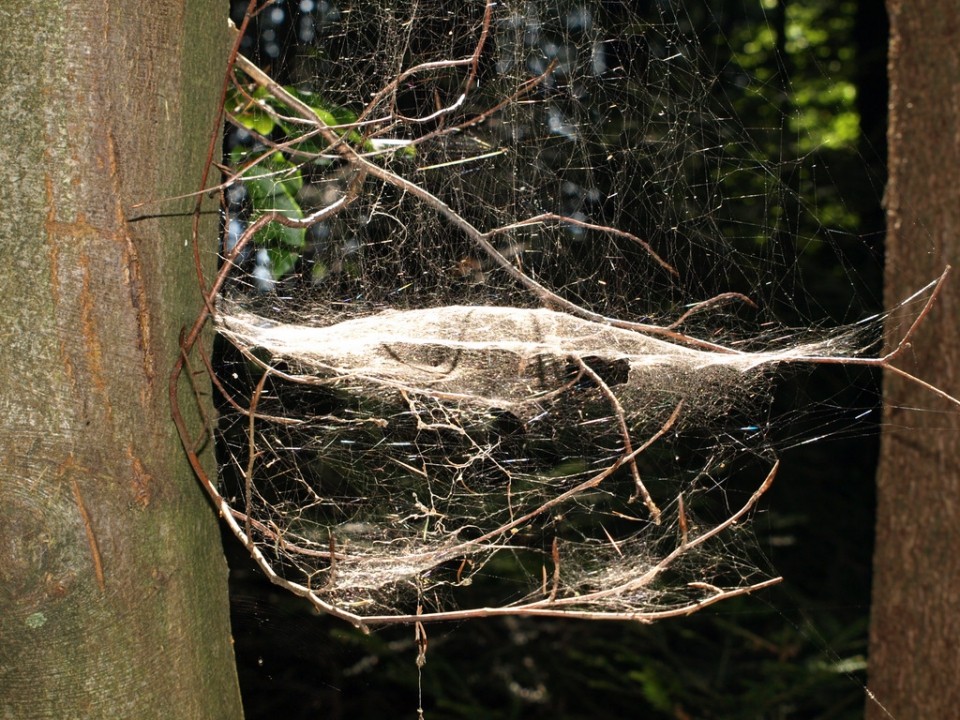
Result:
pixel 505 288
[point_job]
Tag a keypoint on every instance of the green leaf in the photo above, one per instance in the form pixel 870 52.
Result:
pixel 282 261
pixel 249 115
pixel 281 202
pixel 273 186
pixel 331 115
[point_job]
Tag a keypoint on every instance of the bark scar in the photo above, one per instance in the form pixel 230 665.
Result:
pixel 141 479
pixel 88 327
pixel 133 268
pixel 91 536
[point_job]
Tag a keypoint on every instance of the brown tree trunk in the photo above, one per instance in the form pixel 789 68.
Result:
pixel 915 624
pixel 113 599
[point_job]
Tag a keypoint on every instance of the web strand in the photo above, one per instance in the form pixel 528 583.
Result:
pixel 494 362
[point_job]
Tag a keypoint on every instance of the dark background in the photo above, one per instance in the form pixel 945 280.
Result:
pixel 795 651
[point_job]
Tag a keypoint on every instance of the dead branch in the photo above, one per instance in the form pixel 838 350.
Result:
pixel 551 602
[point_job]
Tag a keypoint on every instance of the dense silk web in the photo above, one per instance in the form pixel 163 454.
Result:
pixel 503 283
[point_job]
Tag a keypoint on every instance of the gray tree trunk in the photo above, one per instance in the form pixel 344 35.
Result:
pixel 915 618
pixel 113 598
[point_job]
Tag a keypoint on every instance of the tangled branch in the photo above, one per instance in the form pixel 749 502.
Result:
pixel 441 383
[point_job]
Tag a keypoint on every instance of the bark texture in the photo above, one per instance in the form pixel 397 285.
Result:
pixel 915 623
pixel 113 598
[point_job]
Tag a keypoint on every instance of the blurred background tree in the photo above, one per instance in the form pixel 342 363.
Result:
pixel 915 627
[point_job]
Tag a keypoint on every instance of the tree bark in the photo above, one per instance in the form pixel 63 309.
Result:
pixel 113 595
pixel 915 623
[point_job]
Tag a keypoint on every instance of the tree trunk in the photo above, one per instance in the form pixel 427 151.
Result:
pixel 915 624
pixel 113 597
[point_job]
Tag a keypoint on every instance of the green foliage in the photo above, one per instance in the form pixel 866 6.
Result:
pixel 273 180
pixel 249 114
pixel 273 185
pixel 825 101
pixel 250 110
pixel 815 111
